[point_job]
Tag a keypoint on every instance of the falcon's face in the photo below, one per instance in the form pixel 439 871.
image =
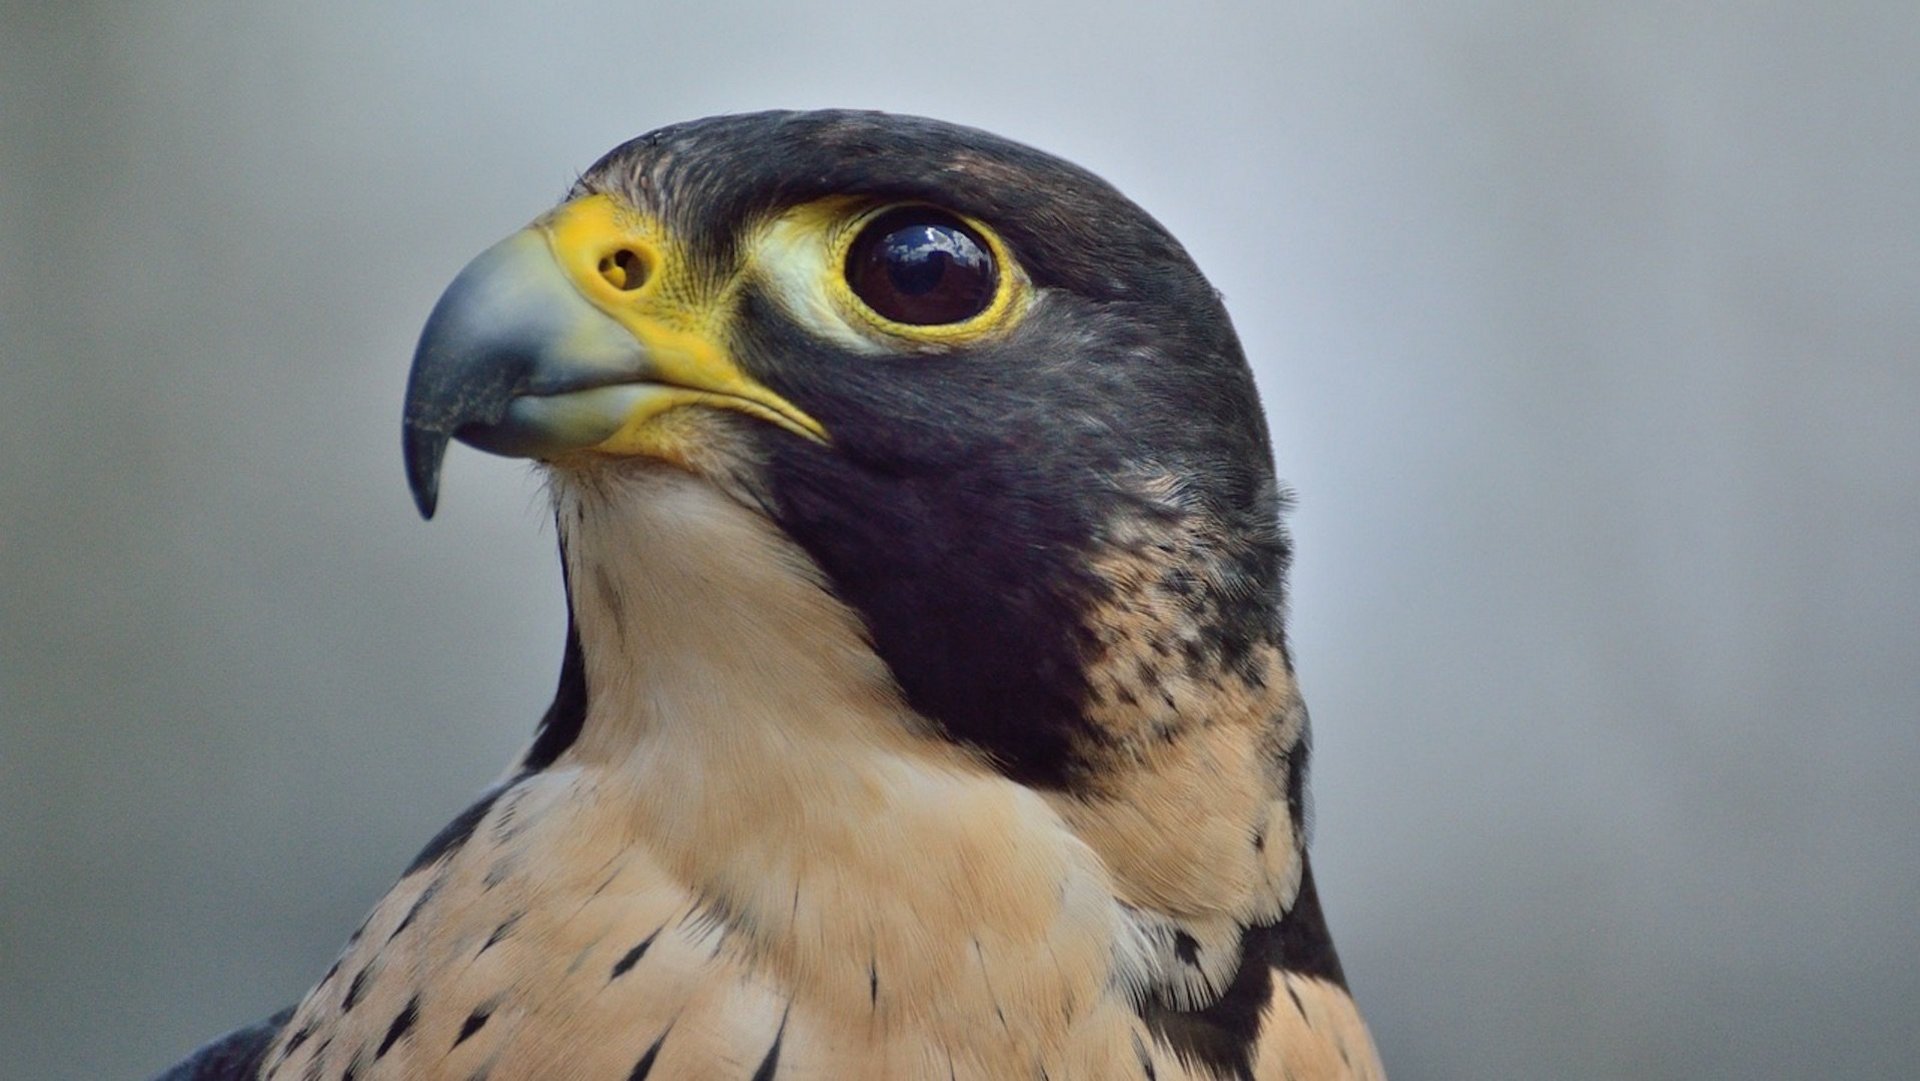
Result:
pixel 989 397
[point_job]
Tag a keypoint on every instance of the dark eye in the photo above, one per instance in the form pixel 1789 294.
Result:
pixel 921 266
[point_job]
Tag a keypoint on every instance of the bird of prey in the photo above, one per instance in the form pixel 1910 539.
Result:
pixel 926 709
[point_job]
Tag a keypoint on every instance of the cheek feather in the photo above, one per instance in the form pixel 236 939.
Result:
pixel 792 258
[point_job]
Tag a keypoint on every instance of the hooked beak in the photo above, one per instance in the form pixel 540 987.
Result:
pixel 563 338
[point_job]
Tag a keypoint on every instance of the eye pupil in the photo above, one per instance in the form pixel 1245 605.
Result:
pixel 921 266
pixel 915 266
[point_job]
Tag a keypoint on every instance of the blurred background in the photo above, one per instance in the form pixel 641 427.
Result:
pixel 1587 331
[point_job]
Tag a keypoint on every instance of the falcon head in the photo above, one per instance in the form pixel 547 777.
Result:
pixel 993 403
pixel 925 708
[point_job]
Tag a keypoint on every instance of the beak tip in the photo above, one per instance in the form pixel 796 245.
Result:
pixel 425 451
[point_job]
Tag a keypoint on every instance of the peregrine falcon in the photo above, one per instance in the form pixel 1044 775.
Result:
pixel 926 709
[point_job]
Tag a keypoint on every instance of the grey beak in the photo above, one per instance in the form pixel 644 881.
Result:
pixel 511 328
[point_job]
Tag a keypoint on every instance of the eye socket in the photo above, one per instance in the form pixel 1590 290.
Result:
pixel 921 266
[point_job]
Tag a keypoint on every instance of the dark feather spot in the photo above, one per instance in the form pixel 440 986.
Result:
pixel 632 957
pixel 608 881
pixel 506 820
pixel 771 1063
pixel 402 1022
pixel 474 1022
pixel 1186 947
pixel 1146 1060
pixel 873 985
pixel 413 910
pixel 645 1066
pixel 294 1041
pixel 499 933
pixel 356 988
pixel 609 596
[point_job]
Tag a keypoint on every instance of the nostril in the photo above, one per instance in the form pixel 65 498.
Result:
pixel 624 269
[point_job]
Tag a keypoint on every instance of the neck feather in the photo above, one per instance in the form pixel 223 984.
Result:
pixel 740 724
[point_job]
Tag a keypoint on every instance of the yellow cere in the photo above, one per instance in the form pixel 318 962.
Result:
pixel 802 257
pixel 624 264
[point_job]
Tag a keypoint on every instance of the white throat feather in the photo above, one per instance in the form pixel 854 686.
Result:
pixel 740 726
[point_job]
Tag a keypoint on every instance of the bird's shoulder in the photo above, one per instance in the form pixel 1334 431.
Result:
pixel 1310 1026
pixel 233 1057
pixel 1285 1013
pixel 527 931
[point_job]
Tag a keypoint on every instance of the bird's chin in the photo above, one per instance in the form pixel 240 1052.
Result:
pixel 710 445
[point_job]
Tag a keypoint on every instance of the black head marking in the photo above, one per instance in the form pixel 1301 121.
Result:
pixel 568 713
pixel 968 489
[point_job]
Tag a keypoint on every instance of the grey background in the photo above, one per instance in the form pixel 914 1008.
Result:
pixel 1586 330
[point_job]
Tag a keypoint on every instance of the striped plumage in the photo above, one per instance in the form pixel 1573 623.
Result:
pixel 927 710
